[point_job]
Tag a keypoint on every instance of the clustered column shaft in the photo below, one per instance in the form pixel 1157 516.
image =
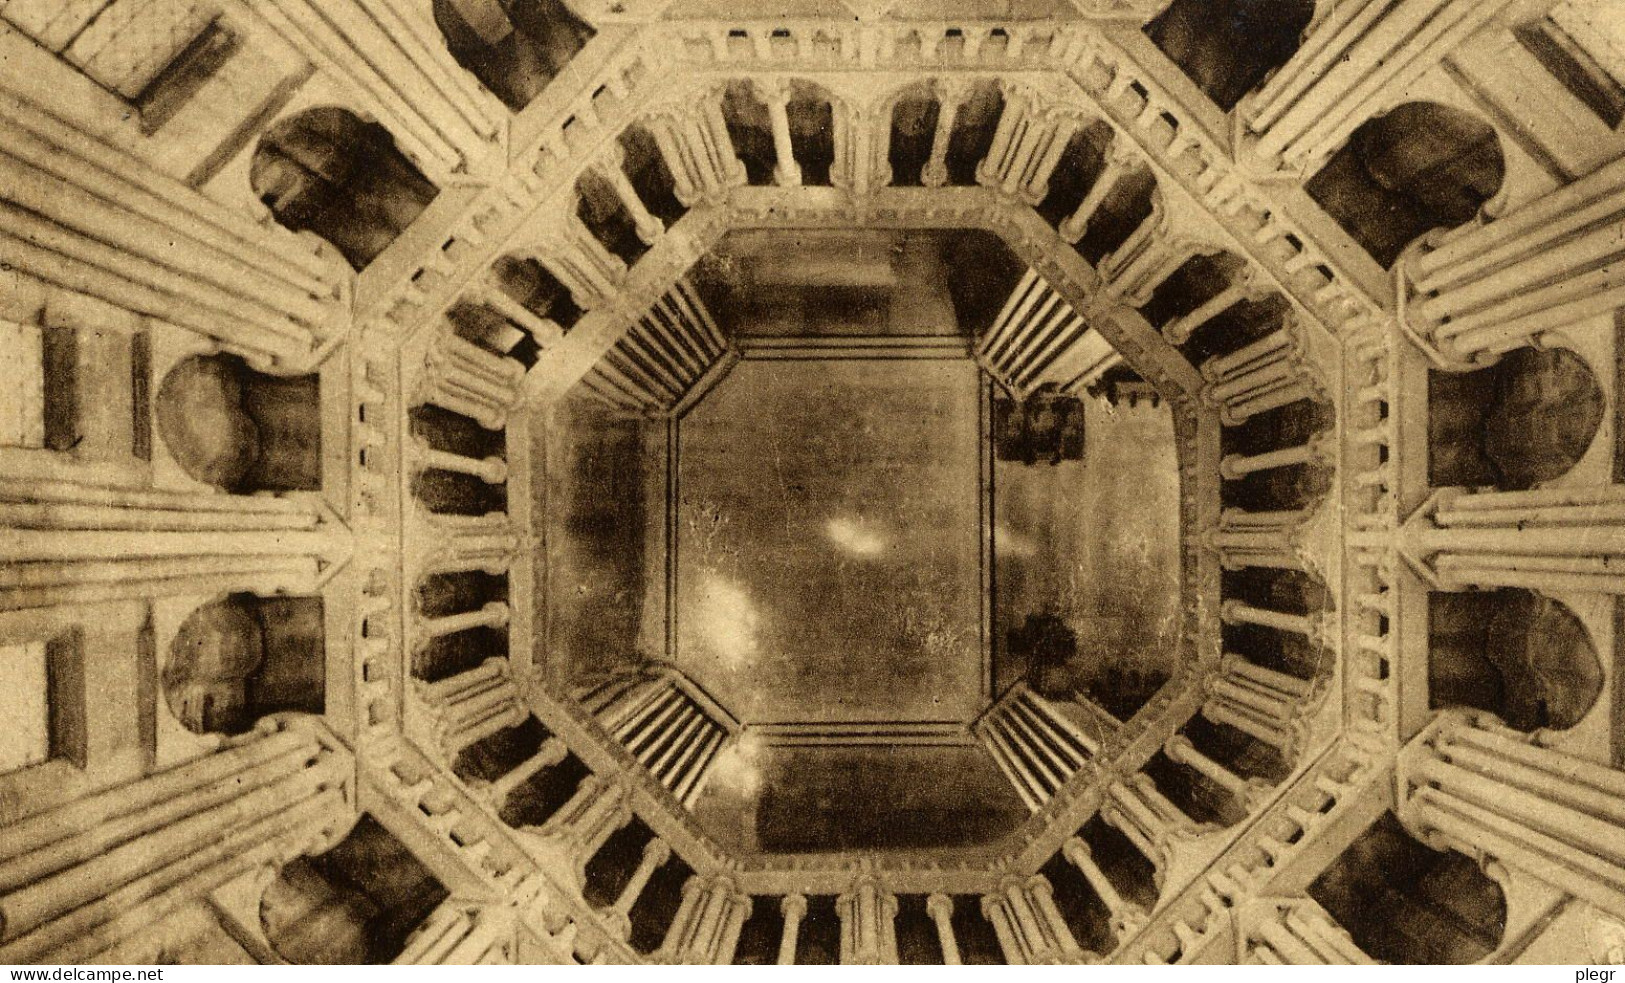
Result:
pixel 460 933
pixel 1265 375
pixel 76 879
pixel 1036 746
pixel 664 724
pixel 62 543
pixel 1485 790
pixel 868 925
pixel 1361 51
pixel 709 919
pixel 486 543
pixel 1037 338
pixel 463 377
pixel 1029 927
pixel 1551 264
pixel 1027 146
pixel 1153 251
pixel 1263 703
pixel 665 355
pixel 581 263
pixel 1127 917
pixel 693 140
pixel 135 237
pixel 1544 539
pixel 1302 933
pixel 1148 818
pixel 473 705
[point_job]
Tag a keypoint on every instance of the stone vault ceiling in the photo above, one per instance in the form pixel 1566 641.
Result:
pixel 613 466
pixel 864 543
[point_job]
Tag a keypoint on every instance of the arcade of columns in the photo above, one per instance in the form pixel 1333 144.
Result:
pixel 153 251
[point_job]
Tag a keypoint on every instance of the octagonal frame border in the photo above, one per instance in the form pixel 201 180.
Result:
pixel 1340 299
pixel 1042 833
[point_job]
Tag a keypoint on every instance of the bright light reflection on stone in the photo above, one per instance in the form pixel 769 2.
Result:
pixel 852 538
pixel 727 622
pixel 738 769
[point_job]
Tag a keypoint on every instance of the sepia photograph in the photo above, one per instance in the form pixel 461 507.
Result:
pixel 673 483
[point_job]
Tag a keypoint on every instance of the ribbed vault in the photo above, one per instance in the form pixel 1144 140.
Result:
pixel 366 352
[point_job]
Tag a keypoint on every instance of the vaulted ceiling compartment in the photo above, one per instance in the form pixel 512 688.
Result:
pixel 857 481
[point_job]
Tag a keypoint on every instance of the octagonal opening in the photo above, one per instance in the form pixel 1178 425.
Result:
pixel 899 551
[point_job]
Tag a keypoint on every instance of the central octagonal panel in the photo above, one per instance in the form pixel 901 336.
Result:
pixel 829 555
pixel 852 536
